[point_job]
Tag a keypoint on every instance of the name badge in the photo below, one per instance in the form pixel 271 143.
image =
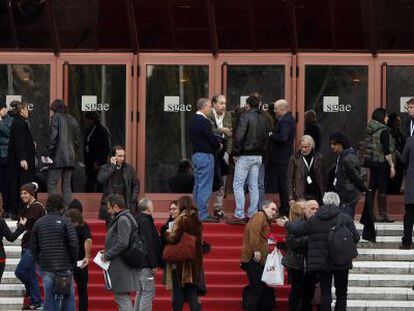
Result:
pixel 309 180
pixel 334 182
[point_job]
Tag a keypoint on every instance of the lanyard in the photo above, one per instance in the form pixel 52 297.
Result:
pixel 337 165
pixel 308 166
pixel 411 127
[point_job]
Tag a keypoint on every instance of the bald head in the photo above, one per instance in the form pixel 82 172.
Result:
pixel 311 207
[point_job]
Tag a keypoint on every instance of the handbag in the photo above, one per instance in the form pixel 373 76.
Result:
pixel 273 273
pixel 184 250
pixel 63 284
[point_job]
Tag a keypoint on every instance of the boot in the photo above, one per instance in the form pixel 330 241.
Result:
pixel 382 209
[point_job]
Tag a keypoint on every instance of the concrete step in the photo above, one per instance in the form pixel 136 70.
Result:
pixel 380 293
pixel 379 305
pixel 385 254
pixel 382 267
pixel 381 280
pixel 392 229
pixel 11 303
pixel 11 290
pixel 382 242
pixel 9 278
pixel 11 264
pixel 13 251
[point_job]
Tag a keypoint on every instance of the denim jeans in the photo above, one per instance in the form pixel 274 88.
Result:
pixel 26 273
pixel 261 186
pixel 203 181
pixel 55 302
pixel 246 167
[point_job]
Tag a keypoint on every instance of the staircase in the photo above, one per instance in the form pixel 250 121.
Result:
pixel 225 280
pixel 383 275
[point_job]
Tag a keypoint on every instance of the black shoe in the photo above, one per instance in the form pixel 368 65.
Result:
pixel 405 246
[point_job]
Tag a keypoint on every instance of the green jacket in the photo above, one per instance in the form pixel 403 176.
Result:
pixel 227 122
pixel 373 147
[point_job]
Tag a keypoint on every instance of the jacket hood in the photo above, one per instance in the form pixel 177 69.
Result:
pixel 347 151
pixel 327 212
pixel 374 126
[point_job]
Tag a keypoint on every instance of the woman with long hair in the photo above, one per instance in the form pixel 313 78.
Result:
pixel 379 150
pixel 186 278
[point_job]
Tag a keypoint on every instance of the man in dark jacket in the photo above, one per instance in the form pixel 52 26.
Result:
pixel 205 145
pixel 250 141
pixel 64 140
pixel 6 120
pixel 118 177
pixel 54 246
pixel 146 226
pixel 409 126
pixel 347 179
pixel 317 228
pixel 282 140
pixel 96 150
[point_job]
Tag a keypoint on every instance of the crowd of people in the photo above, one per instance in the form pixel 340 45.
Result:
pixel 57 242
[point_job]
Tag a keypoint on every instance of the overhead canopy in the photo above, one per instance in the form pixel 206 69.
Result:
pixel 207 25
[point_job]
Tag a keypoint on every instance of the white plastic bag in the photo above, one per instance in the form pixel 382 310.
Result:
pixel 273 273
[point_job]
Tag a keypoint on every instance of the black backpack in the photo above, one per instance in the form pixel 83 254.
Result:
pixel 342 247
pixel 135 255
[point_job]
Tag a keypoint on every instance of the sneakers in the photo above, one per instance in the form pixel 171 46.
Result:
pixel 235 221
pixel 35 306
pixel 211 218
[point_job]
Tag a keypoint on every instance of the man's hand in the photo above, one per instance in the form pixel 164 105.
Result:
pixel 85 262
pixel 392 172
pixel 226 131
pixel 226 158
pixel 282 221
pixel 113 160
pixel 257 256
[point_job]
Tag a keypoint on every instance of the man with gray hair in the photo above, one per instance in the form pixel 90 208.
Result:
pixel 305 178
pixel 282 140
pixel 331 198
pixel 205 145
pixel 146 227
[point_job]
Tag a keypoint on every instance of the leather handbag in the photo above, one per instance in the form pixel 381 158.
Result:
pixel 184 250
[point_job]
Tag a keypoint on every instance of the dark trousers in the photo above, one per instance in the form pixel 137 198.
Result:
pixel 408 224
pixel 341 289
pixel 2 266
pixel 81 278
pixel 281 172
pixel 3 183
pixel 181 294
pixel 254 273
pixel 302 288
pixel 379 176
pixel 349 208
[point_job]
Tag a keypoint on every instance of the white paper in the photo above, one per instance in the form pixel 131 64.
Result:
pixel 243 101
pixel 170 225
pixel 10 98
pixel 79 263
pixel 98 260
pixel 403 103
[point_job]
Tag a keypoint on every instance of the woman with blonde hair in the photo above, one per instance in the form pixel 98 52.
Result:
pixel 302 286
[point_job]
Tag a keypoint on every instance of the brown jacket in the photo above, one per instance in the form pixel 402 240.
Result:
pixel 296 176
pixel 189 272
pixel 255 237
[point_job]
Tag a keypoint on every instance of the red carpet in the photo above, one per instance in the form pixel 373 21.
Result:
pixel 225 280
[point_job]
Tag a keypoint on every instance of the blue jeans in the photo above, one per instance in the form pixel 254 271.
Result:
pixel 261 186
pixel 55 302
pixel 203 181
pixel 26 273
pixel 246 167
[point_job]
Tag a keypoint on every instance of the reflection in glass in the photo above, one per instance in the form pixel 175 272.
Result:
pixel 400 87
pixel 32 83
pixel 339 96
pixel 166 124
pixel 108 84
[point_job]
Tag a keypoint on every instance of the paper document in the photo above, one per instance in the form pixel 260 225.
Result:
pixel 103 264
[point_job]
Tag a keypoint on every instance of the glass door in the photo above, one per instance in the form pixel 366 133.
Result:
pixel 97 90
pixel 169 88
pixel 31 79
pixel 339 89
pixel 267 74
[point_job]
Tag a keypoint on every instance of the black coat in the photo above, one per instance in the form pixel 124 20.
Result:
pixel 6 233
pixel 282 139
pixel 54 243
pixel 132 185
pixel 149 231
pixel 21 147
pixel 97 147
pixel 297 248
pixel 317 228
pixel 64 140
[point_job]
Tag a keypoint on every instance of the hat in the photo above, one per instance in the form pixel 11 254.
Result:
pixel 30 187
